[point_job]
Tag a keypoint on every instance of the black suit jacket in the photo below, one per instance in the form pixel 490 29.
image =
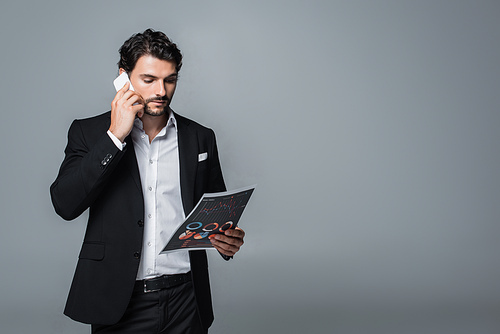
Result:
pixel 95 174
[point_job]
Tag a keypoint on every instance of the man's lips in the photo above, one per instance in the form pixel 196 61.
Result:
pixel 157 101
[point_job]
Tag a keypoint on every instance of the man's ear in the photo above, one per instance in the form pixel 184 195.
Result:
pixel 121 71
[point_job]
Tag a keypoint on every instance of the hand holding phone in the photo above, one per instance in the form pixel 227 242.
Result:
pixel 121 81
pixel 125 107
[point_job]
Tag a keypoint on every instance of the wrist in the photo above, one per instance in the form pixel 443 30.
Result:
pixel 119 143
pixel 117 134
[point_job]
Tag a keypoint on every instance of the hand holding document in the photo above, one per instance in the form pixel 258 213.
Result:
pixel 214 214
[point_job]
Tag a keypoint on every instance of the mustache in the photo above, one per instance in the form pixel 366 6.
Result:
pixel 157 98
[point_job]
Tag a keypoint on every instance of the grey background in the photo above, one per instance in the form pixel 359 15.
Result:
pixel 370 127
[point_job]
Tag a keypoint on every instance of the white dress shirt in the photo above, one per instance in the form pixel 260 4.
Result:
pixel 158 163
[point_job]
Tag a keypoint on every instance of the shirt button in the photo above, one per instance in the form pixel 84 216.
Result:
pixel 151 161
pixel 149 244
pixel 150 188
pixel 150 215
pixel 150 271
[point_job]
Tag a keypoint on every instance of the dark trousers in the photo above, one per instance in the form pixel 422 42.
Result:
pixel 168 311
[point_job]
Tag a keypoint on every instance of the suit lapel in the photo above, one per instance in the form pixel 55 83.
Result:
pixel 188 154
pixel 131 162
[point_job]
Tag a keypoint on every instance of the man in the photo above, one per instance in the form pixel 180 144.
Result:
pixel 140 168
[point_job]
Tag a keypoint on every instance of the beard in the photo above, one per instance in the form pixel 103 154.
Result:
pixel 158 112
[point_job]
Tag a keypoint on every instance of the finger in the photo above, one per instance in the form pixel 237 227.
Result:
pixel 125 87
pixel 236 232
pixel 225 248
pixel 222 251
pixel 122 91
pixel 138 109
pixel 232 241
pixel 127 95
pixel 130 98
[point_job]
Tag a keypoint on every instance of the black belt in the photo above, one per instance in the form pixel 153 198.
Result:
pixel 162 282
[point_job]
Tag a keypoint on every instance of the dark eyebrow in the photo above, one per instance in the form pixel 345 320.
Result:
pixel 150 76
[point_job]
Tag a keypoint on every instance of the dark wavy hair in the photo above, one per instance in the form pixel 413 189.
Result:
pixel 150 42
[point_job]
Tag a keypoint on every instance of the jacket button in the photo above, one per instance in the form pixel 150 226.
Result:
pixel 136 255
pixel 140 223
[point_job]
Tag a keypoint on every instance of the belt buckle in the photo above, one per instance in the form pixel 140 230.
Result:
pixel 150 290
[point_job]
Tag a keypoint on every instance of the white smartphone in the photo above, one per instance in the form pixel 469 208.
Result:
pixel 121 81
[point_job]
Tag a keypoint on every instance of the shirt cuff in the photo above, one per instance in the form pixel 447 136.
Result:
pixel 117 141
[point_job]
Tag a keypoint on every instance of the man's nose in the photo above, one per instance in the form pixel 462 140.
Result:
pixel 160 88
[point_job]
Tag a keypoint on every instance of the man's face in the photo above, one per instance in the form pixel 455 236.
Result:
pixel 155 80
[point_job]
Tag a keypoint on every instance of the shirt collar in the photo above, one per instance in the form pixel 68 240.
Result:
pixel 171 120
pixel 138 125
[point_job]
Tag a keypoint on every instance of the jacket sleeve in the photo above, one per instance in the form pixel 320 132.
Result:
pixel 83 172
